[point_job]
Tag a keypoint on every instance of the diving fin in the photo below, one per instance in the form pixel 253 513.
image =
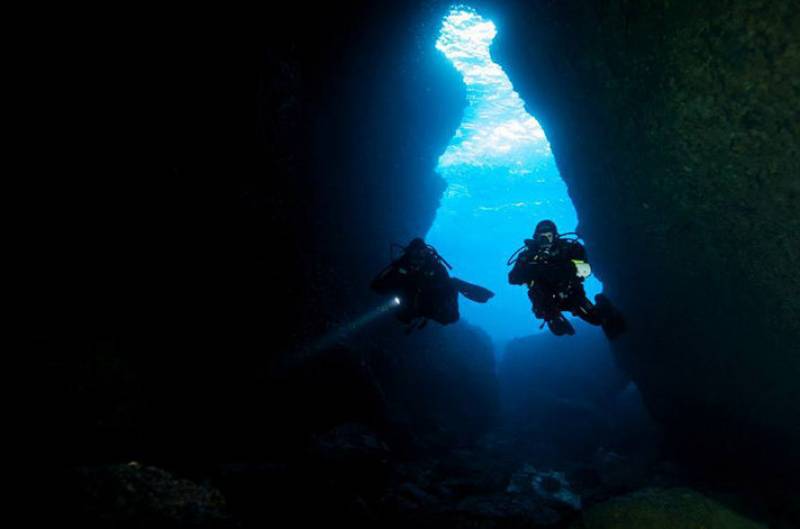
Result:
pixel 472 292
pixel 560 326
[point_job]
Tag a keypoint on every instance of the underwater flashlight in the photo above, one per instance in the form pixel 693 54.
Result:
pixel 346 330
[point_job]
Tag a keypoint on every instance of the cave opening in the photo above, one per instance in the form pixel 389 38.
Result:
pixel 501 180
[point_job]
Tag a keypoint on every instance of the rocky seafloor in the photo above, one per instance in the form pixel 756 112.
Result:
pixel 350 476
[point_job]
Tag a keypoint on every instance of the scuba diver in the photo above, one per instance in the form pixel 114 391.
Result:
pixel 423 287
pixel 553 268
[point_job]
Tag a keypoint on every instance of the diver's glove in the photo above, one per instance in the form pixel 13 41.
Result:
pixel 582 268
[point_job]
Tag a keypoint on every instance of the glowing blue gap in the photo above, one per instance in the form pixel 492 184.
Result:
pixel 501 180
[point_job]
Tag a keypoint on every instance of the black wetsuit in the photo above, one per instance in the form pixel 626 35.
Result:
pixel 553 282
pixel 426 291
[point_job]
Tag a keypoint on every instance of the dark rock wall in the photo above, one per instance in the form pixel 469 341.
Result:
pixel 439 383
pixel 354 108
pixel 233 194
pixel 675 125
pixel 377 106
pixel 570 398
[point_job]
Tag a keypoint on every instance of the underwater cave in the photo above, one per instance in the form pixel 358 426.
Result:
pixel 213 354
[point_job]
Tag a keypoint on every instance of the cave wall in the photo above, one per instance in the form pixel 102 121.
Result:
pixel 675 125
pixel 355 107
pixel 571 398
pixel 377 109
pixel 233 195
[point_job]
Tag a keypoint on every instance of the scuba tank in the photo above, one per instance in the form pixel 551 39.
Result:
pixel 434 253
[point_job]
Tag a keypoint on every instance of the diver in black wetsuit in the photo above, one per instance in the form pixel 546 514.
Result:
pixel 420 281
pixel 554 268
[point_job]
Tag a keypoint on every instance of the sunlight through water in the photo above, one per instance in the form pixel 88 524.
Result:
pixel 501 180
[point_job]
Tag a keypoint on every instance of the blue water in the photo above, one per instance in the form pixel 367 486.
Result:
pixel 501 180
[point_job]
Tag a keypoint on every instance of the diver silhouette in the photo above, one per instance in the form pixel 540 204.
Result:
pixel 420 281
pixel 554 268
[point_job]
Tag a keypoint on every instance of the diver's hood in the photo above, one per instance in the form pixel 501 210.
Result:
pixel 416 245
pixel 546 226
